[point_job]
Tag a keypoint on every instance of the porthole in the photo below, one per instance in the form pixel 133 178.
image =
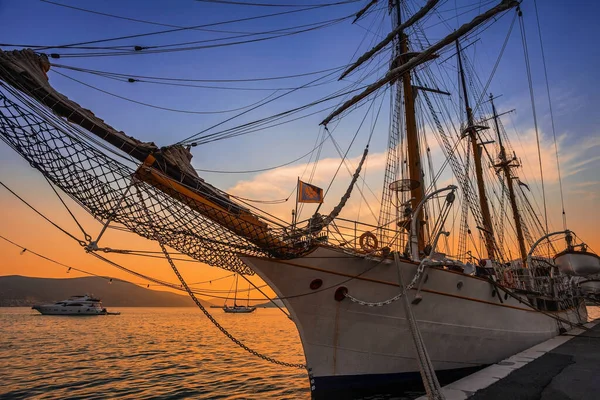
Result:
pixel 316 283
pixel 459 285
pixel 340 293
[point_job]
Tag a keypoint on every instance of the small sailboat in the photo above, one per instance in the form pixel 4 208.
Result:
pixel 237 308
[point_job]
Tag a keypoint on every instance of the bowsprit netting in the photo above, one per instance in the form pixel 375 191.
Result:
pixel 110 190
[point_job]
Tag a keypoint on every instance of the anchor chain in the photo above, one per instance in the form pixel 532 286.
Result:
pixel 205 311
pixel 412 284
pixel 214 321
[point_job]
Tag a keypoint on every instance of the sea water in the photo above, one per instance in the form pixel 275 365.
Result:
pixel 150 353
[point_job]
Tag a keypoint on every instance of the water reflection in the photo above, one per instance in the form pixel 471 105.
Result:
pixel 151 353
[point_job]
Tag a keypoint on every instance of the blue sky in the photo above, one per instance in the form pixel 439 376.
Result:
pixel 569 30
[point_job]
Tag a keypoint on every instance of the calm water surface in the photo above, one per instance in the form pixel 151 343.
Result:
pixel 149 353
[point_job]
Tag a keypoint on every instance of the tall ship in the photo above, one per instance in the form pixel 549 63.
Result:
pixel 465 268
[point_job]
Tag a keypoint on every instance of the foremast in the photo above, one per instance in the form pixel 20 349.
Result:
pixel 412 137
pixel 506 166
pixel 471 131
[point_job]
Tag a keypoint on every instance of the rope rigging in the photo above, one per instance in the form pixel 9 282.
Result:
pixel 535 123
pixel 249 171
pixel 244 3
pixel 256 104
pixel 139 50
pixel 112 39
pixel 163 78
pixel 560 185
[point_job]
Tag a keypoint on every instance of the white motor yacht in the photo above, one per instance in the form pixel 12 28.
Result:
pixel 74 305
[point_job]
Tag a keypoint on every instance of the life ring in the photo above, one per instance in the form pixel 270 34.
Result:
pixel 509 278
pixel 368 241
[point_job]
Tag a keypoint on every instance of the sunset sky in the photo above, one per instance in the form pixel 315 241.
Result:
pixel 568 30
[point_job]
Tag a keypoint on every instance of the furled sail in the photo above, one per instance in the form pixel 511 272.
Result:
pixel 422 57
pixel 391 36
pixel 214 232
pixel 26 71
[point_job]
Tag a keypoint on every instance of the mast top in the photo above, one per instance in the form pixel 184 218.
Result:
pixel 424 56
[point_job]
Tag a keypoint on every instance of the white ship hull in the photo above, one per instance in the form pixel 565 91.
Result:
pixel 51 309
pixel 350 347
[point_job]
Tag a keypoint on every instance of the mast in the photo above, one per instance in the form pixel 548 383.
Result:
pixel 506 167
pixel 248 297
pixel 235 293
pixel 412 138
pixel 471 131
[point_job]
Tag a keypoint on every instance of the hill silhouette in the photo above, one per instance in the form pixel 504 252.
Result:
pixel 16 290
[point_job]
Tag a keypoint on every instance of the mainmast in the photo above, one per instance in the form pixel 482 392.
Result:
pixel 471 131
pixel 506 166
pixel 412 138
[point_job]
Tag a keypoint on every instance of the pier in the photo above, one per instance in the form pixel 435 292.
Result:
pixel 565 367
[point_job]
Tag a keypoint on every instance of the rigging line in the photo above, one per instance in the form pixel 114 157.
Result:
pixel 163 283
pixel 229 292
pixel 537 136
pixel 350 146
pixel 243 3
pixel 562 201
pixel 139 275
pixel 198 80
pixel 339 150
pixel 263 169
pixel 215 323
pixel 132 48
pixel 160 107
pixel 85 234
pixel 172 47
pixel 212 280
pixel 347 150
pixel 177 287
pixel 51 122
pixel 189 85
pixel 264 128
pixel 286 31
pixel 264 294
pixel 142 50
pixel 208 292
pixel 183 28
pixel 487 85
pixel 153 256
pixel 70 130
pixel 277 201
pixel 135 19
pixel 81 242
pixel 198 135
pixel 56 262
pixel 229 132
